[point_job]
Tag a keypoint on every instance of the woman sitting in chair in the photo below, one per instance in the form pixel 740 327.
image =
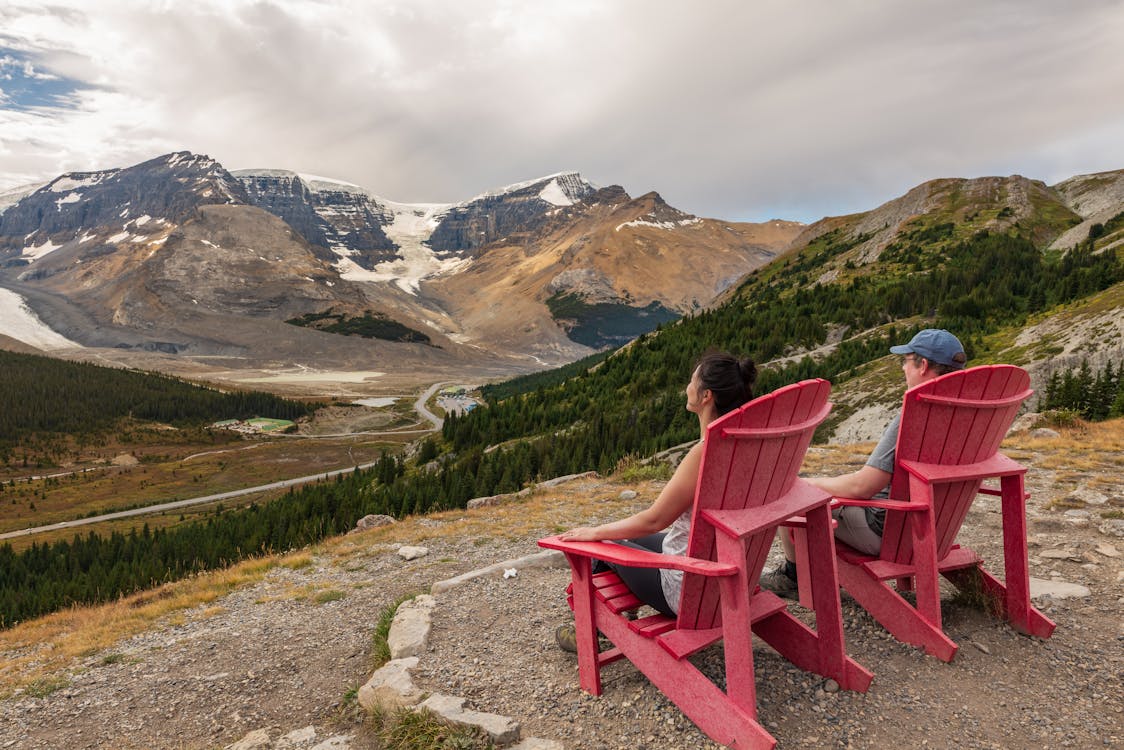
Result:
pixel 719 384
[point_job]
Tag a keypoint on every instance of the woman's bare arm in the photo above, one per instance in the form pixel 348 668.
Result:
pixel 676 497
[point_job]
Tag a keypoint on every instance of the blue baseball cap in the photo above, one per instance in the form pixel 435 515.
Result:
pixel 936 345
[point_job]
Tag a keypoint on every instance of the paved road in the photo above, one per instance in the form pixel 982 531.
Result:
pixel 183 503
pixel 419 406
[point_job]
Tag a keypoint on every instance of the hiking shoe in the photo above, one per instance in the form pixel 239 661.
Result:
pixel 780 583
pixel 566 636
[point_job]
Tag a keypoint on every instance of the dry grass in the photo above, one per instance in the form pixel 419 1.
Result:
pixel 37 650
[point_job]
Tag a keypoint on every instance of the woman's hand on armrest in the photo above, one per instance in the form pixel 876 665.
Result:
pixel 580 534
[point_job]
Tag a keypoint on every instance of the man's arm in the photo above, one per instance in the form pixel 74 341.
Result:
pixel 862 484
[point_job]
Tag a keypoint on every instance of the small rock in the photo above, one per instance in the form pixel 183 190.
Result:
pixel 409 630
pixel 1108 550
pixel 1112 527
pixel 1057 589
pixel 628 495
pixel 1089 496
pixel 338 742
pixel 1059 554
pixel 372 521
pixel 485 502
pixel 1077 513
pixel 297 737
pixel 501 729
pixel 536 743
pixel 981 647
pixel 407 552
pixel 1044 432
pixel 568 478
pixel 831 686
pixel 391 686
pixel 258 738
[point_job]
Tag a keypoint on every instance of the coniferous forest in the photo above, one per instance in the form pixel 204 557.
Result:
pixel 43 396
pixel 598 412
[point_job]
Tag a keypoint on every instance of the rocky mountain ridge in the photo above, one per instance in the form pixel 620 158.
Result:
pixel 1059 215
pixel 178 255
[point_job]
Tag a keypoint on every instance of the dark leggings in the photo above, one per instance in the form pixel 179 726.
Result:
pixel 644 582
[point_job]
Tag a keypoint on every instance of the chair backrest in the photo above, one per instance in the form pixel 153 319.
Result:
pixel 956 419
pixel 752 456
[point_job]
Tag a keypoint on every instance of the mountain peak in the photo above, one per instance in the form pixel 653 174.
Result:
pixel 559 189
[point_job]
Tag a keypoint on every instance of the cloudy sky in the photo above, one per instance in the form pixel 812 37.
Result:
pixel 736 109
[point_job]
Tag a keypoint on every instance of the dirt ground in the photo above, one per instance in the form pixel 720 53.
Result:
pixel 288 651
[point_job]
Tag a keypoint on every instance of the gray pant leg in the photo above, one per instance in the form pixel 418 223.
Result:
pixel 854 531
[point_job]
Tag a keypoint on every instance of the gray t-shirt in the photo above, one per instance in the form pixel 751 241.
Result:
pixel 883 458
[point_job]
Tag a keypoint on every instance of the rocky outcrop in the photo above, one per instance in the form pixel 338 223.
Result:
pixel 90 207
pixel 467 227
pixel 1096 198
pixel 343 219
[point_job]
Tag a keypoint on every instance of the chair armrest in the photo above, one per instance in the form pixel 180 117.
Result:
pixel 996 466
pixel 888 503
pixel 637 558
pixel 800 498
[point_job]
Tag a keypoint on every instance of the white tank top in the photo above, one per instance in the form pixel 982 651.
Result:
pixel 675 543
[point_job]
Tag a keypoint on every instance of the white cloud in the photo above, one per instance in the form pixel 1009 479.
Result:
pixel 729 109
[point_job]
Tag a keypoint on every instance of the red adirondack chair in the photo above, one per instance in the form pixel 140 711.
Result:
pixel 747 486
pixel 948 444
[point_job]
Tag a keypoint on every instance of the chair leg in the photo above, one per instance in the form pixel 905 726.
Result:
pixel 926 578
pixel 589 666
pixel 997 595
pixel 741 684
pixel 820 650
pixel 1021 614
pixel 824 584
pixel 895 614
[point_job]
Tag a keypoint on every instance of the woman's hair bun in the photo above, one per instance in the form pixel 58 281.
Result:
pixel 748 371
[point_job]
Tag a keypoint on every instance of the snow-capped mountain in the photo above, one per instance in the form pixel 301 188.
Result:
pixel 466 227
pixel 378 240
pixel 178 255
pixel 345 219
pixel 93 209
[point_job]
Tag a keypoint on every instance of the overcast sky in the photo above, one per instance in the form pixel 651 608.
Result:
pixel 734 109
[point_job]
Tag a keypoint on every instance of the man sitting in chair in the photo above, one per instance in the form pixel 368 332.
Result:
pixel 930 354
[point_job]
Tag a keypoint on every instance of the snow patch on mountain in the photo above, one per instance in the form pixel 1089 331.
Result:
pixel 659 224
pixel 76 180
pixel 412 226
pixel 73 197
pixel 19 322
pixel 11 197
pixel 563 180
pixel 554 194
pixel 38 251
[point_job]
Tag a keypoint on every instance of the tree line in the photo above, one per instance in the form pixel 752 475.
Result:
pixel 1094 397
pixel 44 397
